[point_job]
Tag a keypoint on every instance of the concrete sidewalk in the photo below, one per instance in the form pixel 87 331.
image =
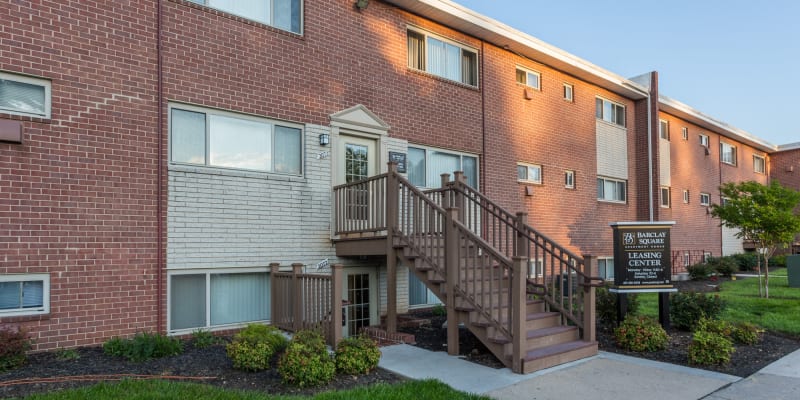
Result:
pixel 606 376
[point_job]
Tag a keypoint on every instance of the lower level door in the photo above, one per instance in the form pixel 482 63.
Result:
pixel 361 300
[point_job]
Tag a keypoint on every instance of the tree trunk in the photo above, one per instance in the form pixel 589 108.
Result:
pixel 766 276
pixel 758 271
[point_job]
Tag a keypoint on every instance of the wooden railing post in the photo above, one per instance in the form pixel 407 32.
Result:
pixel 521 244
pixel 458 182
pixel 297 297
pixel 518 308
pixel 589 313
pixel 391 258
pixel 274 300
pixel 336 305
pixel 451 263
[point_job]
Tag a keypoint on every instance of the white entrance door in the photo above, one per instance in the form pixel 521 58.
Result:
pixel 357 159
pixel 361 299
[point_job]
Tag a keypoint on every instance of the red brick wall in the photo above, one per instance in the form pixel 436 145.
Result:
pixel 784 167
pixel 78 198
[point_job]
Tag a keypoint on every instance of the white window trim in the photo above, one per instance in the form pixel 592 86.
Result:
pixel 536 266
pixel 569 185
pixel 687 258
pixel 529 71
pixel 685 133
pixel 625 201
pixel 606 261
pixel 763 164
pixel 735 154
pixel 665 202
pixel 662 133
pixel 232 114
pixel 704 138
pixel 45 309
pixel 208 272
pixel 708 199
pixel 271 22
pixel 32 81
pixel 454 152
pixel 528 180
pixel 462 46
pixel 614 123
pixel 686 197
pixel 571 97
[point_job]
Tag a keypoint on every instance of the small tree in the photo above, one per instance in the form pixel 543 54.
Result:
pixel 763 214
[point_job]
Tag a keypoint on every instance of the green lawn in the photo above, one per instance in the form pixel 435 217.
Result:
pixel 780 313
pixel 163 390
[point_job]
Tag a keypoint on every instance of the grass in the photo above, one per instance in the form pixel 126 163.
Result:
pixel 779 313
pixel 164 390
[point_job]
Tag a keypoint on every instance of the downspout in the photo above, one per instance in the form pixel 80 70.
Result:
pixel 482 182
pixel 650 149
pixel 159 206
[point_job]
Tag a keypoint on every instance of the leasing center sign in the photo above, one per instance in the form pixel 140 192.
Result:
pixel 642 256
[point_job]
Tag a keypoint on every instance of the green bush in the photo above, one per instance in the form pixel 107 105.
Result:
pixel 306 361
pixel 67 354
pixel 143 346
pixel 606 304
pixel 745 333
pixel 699 272
pixel 253 347
pixel 778 261
pixel 709 348
pixel 725 266
pixel 746 261
pixel 439 310
pixel 718 326
pixel 202 339
pixel 13 346
pixel 641 334
pixel 686 308
pixel 357 355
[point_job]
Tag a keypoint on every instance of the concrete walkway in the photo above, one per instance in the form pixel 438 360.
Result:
pixel 606 376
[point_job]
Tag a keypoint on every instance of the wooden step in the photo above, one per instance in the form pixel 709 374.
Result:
pixel 553 335
pixel 550 356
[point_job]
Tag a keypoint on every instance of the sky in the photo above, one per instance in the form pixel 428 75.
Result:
pixel 736 61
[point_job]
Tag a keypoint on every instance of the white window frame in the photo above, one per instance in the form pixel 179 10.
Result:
pixel 569 92
pixel 706 256
pixel 271 14
pixel 461 154
pixel 607 200
pixel 426 66
pixel 762 169
pixel 732 160
pixel 687 258
pixel 246 117
pixel 665 195
pixel 569 179
pixel 45 83
pixel 208 272
pixel 685 133
pixel 528 169
pixel 705 199
pixel 527 74
pixel 599 112
pixel 605 261
pixel 44 309
pixel 663 129
pixel 536 268
pixel 703 140
pixel 686 197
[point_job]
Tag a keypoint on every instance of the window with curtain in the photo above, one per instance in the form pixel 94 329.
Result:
pixel 529 173
pixel 442 58
pixel 282 14
pixel 727 153
pixel 529 78
pixel 426 165
pixel 24 294
pixel 221 139
pixel 609 111
pixel 212 299
pixel 611 190
pixel 22 95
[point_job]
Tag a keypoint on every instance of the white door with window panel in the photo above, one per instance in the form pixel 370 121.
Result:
pixel 360 298
pixel 357 161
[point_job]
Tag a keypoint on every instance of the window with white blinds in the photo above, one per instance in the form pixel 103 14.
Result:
pixel 23 95
pixel 24 294
pixel 442 58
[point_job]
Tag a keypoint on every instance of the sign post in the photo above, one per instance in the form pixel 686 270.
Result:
pixel 643 263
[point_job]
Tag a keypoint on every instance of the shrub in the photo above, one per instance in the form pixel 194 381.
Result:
pixel 641 334
pixel 686 308
pixel 606 305
pixel 699 272
pixel 143 346
pixel 439 310
pixel 725 266
pixel 306 361
pixel 746 261
pixel 357 355
pixel 778 261
pixel 13 345
pixel 253 347
pixel 745 333
pixel 718 326
pixel 709 348
pixel 67 354
pixel 202 339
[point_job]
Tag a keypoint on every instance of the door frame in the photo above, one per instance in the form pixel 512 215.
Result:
pixel 374 306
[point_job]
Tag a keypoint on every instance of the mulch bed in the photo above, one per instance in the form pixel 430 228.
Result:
pixel 745 361
pixel 210 365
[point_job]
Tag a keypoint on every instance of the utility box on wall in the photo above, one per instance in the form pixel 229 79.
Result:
pixel 793 270
pixel 10 131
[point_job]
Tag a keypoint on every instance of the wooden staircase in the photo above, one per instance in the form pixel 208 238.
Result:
pixel 530 301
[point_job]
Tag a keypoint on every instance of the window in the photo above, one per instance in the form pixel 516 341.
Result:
pixel 707 257
pixel 569 179
pixel 569 92
pixel 685 132
pixel 219 298
pixel 529 173
pixel 535 268
pixel 24 294
pixel 611 190
pixel 442 58
pixel 605 268
pixel 665 197
pixel 425 166
pixel 703 140
pixel 727 153
pixel 663 129
pixel 610 112
pixel 687 259
pixel 282 14
pixel 705 199
pixel 686 196
pixel 222 139
pixel 529 78
pixel 759 164
pixel 23 95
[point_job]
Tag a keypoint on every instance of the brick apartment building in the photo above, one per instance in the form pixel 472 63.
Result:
pixel 157 155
